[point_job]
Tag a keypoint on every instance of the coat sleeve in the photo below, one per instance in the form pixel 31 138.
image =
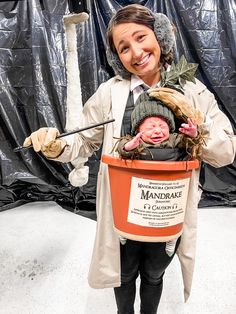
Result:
pixel 84 144
pixel 220 141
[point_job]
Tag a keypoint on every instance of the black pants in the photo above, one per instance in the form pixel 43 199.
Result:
pixel 149 260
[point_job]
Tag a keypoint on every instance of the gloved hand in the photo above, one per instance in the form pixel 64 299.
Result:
pixel 178 103
pixel 44 140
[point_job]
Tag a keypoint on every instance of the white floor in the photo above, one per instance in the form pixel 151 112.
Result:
pixel 45 254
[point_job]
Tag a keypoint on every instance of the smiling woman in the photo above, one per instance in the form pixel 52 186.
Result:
pixel 140 49
pixel 140 34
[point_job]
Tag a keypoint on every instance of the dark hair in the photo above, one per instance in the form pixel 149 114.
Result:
pixel 134 13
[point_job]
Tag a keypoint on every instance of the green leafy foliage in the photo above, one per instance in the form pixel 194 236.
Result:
pixel 179 73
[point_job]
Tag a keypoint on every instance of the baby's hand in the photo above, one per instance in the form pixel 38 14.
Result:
pixel 189 129
pixel 134 142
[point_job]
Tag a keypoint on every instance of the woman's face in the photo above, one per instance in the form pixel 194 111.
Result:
pixel 155 130
pixel 138 50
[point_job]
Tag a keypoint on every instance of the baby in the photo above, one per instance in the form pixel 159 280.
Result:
pixel 153 127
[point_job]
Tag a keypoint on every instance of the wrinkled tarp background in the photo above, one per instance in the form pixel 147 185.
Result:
pixel 33 88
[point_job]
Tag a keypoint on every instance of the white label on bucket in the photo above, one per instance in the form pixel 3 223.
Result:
pixel 155 203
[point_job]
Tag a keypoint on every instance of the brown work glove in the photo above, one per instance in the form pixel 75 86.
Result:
pixel 178 103
pixel 44 140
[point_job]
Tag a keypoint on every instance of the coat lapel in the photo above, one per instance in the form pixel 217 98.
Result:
pixel 119 95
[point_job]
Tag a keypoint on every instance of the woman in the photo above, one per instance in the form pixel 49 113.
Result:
pixel 140 46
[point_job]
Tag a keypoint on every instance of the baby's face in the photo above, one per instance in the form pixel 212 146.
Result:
pixel 155 130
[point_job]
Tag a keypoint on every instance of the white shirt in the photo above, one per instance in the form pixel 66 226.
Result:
pixel 137 86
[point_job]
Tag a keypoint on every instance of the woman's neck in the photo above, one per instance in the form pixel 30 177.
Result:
pixel 152 80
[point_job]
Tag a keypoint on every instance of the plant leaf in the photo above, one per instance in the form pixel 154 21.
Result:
pixel 186 70
pixel 179 73
pixel 170 77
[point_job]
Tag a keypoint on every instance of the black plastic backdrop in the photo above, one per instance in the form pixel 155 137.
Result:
pixel 33 88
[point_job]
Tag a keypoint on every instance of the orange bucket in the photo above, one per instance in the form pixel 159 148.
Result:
pixel 149 197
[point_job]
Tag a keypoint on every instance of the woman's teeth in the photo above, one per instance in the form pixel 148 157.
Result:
pixel 143 60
